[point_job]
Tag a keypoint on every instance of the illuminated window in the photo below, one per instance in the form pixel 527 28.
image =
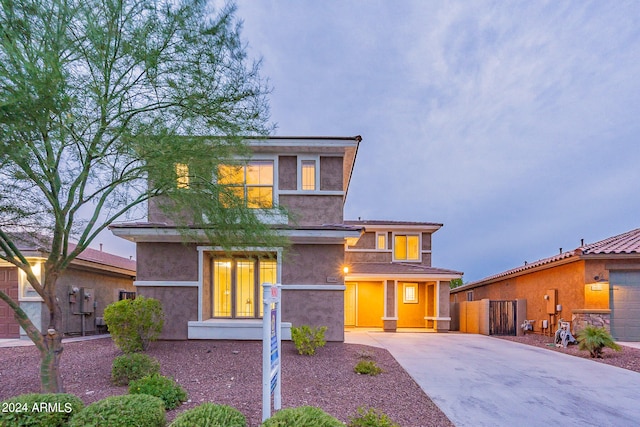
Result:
pixel 237 291
pixel 182 175
pixel 252 182
pixel 406 247
pixel 381 241
pixel 410 293
pixel 308 169
pixel 26 291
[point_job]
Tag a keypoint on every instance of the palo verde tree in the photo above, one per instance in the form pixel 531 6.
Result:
pixel 100 102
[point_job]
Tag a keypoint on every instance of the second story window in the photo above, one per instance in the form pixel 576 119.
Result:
pixel 308 175
pixel 182 175
pixel 381 241
pixel 406 247
pixel 252 182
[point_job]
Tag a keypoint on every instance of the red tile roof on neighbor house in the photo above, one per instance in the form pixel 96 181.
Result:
pixel 625 243
pixel 105 258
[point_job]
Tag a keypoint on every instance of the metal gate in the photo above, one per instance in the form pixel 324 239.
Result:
pixel 502 318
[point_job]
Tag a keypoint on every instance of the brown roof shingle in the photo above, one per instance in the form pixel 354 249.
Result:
pixel 625 243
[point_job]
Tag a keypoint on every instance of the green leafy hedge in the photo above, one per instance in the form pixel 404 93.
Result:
pixel 134 323
pixel 209 414
pixel 302 416
pixel 134 366
pixel 308 339
pixel 129 410
pixel 160 386
pixel 35 410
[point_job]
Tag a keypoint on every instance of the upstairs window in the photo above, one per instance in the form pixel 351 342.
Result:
pixel 381 241
pixel 182 175
pixel 252 182
pixel 406 247
pixel 308 174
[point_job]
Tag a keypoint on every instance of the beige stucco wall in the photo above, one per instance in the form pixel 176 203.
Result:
pixel 331 170
pixel 167 261
pixel 313 210
pixel 313 265
pixel 288 173
pixel 315 308
pixel 180 305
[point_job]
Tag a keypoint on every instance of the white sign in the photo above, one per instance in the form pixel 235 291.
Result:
pixel 271 349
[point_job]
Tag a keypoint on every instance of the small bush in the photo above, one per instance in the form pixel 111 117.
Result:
pixel 160 386
pixel 308 339
pixel 302 416
pixel 34 410
pixel 594 340
pixel 371 418
pixel 122 411
pixel 129 367
pixel 367 367
pixel 209 414
pixel 134 323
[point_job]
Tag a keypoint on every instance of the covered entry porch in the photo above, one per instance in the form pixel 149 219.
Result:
pixel 391 296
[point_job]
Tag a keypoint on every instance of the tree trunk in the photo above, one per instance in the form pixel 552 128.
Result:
pixel 50 379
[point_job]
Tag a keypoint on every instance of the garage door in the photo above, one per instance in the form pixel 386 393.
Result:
pixel 9 327
pixel 625 305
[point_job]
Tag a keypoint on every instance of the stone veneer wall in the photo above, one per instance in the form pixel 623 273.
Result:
pixel 598 318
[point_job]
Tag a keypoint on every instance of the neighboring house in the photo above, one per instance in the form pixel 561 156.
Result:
pixel 208 293
pixel 390 282
pixel 596 283
pixel 93 280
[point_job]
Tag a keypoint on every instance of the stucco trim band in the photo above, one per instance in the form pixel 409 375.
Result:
pixel 165 283
pixel 314 287
pixel 436 318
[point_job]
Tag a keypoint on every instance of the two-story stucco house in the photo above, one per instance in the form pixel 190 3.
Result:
pixel 390 282
pixel 208 293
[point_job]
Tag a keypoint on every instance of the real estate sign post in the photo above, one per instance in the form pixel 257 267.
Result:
pixel 271 349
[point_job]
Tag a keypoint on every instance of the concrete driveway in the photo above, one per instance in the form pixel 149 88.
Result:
pixel 483 381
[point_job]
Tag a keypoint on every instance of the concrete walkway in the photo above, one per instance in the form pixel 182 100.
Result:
pixel 17 342
pixel 483 381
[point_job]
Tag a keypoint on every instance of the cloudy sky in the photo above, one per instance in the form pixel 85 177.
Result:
pixel 513 123
pixel 516 124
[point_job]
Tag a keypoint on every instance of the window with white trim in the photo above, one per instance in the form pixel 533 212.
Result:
pixel 410 293
pixel 237 291
pixel 381 241
pixel 406 247
pixel 308 175
pixel 252 182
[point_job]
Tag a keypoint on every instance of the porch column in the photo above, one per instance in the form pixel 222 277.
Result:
pixel 390 318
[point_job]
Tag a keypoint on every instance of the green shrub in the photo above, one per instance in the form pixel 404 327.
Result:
pixel 122 411
pixel 308 339
pixel 367 367
pixel 302 416
pixel 371 418
pixel 36 410
pixel 134 323
pixel 594 340
pixel 160 386
pixel 134 366
pixel 209 414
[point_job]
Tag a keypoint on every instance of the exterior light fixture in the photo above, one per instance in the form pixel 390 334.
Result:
pixel 345 269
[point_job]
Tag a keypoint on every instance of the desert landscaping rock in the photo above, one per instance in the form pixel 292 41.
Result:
pixel 228 372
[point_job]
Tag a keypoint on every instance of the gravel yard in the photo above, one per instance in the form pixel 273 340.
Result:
pixel 229 372
pixel 627 358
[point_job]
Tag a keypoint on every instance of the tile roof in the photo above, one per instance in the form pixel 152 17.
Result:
pixel 392 268
pixel 28 242
pixel 625 243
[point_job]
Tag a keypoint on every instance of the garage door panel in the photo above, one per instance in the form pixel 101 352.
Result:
pixel 625 305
